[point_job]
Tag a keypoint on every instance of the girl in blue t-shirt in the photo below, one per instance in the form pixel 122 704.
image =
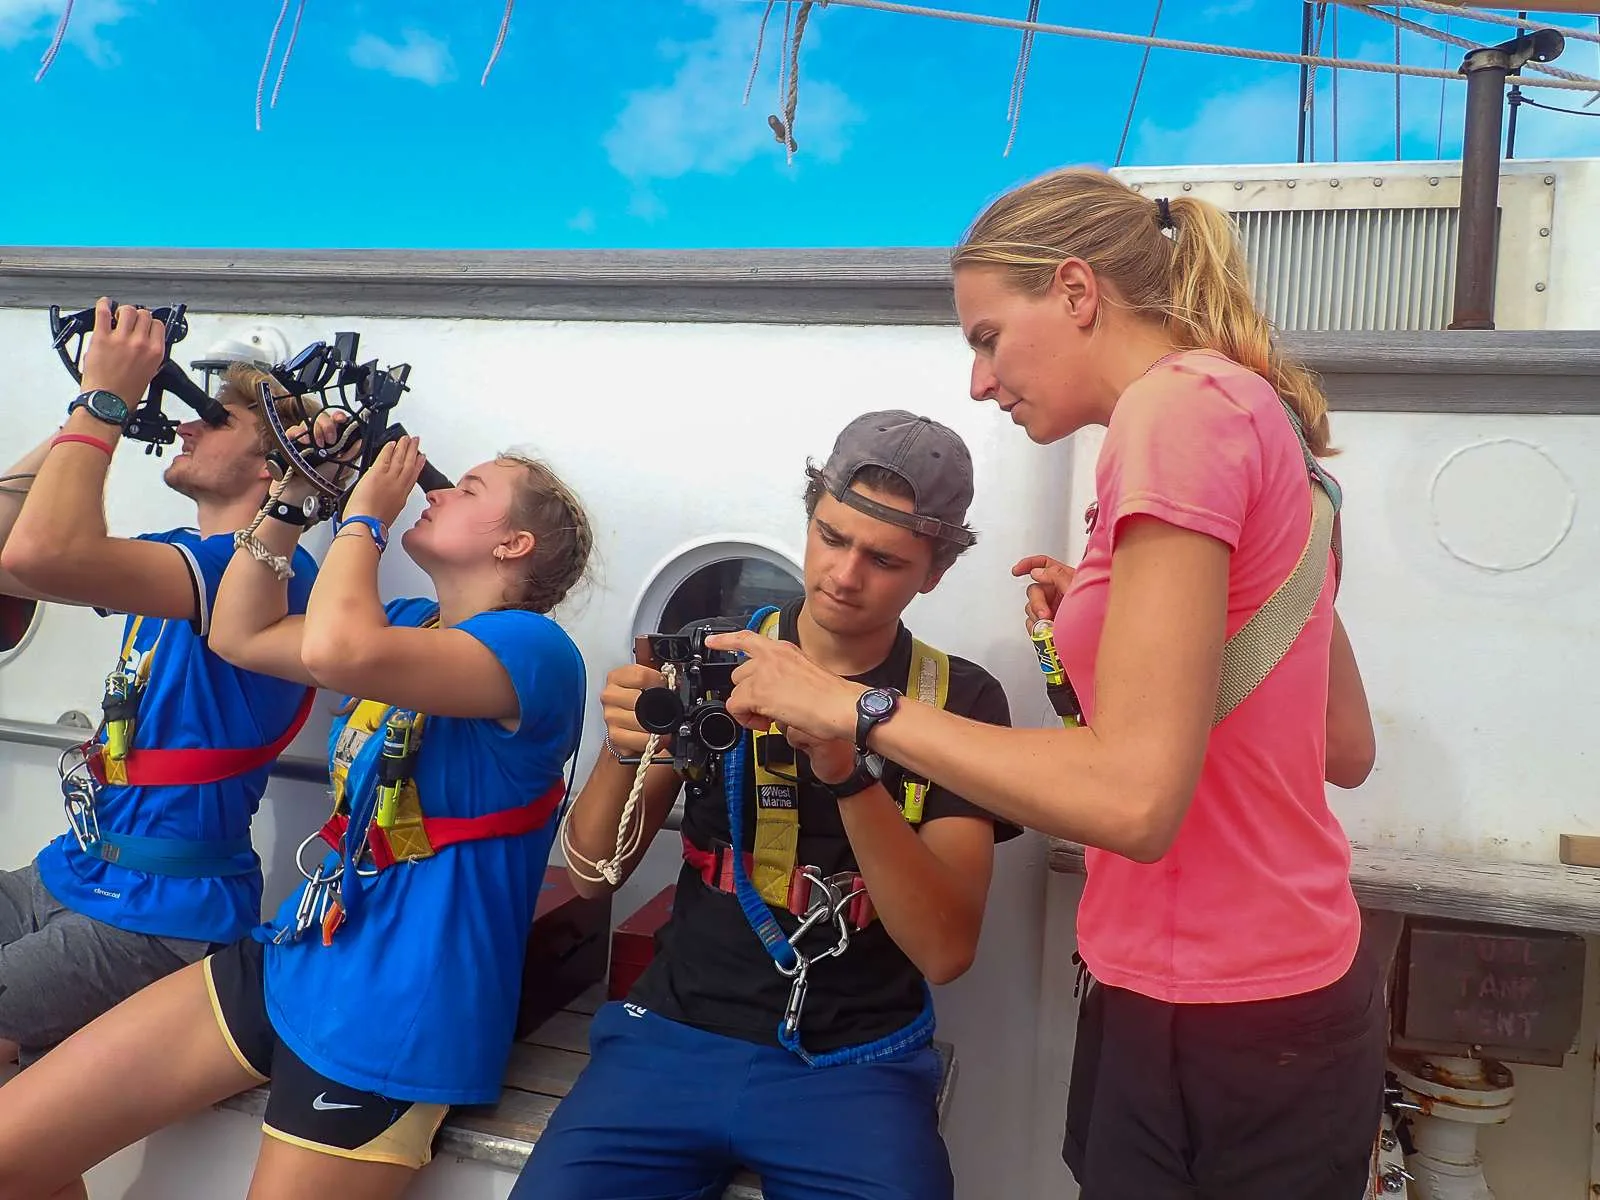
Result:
pixel 386 988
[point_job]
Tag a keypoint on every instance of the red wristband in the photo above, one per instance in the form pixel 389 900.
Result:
pixel 85 438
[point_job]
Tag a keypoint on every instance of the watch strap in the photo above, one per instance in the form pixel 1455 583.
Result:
pixel 861 777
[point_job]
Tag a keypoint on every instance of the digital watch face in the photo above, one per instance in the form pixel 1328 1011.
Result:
pixel 877 703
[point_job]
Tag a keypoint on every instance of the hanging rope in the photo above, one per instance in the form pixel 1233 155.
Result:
pixel 783 127
pixel 283 67
pixel 266 63
pixel 1137 84
pixel 1019 79
pixel 55 43
pixel 761 40
pixel 1450 10
pixel 630 827
pixel 499 41
pixel 1133 39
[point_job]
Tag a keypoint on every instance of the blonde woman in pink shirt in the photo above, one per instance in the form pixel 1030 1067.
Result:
pixel 1231 1041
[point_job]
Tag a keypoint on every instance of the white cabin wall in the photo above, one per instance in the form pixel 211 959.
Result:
pixel 669 433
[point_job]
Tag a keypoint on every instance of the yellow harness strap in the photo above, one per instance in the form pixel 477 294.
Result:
pixel 777 837
pixel 400 819
pixel 400 816
pixel 119 733
pixel 777 833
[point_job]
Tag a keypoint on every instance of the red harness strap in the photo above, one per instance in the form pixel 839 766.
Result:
pixel 186 768
pixel 716 871
pixel 447 831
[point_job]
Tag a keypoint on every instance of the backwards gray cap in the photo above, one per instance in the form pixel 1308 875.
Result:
pixel 929 456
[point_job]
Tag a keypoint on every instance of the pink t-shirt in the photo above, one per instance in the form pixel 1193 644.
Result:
pixel 1253 900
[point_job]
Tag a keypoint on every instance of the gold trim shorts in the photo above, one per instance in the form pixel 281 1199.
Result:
pixel 305 1108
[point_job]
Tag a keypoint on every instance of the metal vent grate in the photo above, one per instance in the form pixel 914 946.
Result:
pixel 1353 268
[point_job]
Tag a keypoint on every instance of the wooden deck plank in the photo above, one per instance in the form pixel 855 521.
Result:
pixel 566 1030
pixel 1533 895
pixel 543 1070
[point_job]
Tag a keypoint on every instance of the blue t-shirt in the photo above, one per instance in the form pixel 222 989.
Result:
pixel 193 700
pixel 416 999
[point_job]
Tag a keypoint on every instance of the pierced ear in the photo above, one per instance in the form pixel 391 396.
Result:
pixel 519 545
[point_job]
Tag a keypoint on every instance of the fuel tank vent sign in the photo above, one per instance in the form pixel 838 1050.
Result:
pixel 1502 505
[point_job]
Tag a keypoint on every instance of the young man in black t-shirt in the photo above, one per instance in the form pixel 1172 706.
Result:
pixel 692 1078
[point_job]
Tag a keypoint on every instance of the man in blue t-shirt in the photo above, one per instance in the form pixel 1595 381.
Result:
pixel 158 866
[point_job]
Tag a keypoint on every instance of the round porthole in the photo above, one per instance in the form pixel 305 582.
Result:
pixel 716 578
pixel 17 619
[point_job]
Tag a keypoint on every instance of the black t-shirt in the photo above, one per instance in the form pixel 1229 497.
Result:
pixel 710 970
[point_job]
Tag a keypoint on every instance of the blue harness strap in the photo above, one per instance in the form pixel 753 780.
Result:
pixel 917 1034
pixel 174 856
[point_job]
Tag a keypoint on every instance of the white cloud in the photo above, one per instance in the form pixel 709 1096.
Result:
pixel 697 122
pixel 31 20
pixel 582 221
pixel 417 55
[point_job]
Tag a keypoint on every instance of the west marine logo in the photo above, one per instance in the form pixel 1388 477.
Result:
pixel 775 795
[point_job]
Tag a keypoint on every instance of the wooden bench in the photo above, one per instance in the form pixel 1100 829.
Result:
pixel 543 1068
pixel 1532 895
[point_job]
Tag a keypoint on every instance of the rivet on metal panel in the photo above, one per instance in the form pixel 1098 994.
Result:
pixel 1549 179
pixel 1333 183
pixel 1238 185
pixel 1377 183
pixel 1433 181
pixel 1544 231
pixel 1291 183
pixel 1188 187
pixel 1538 287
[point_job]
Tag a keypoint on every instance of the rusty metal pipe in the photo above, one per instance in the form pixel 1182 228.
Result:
pixel 1486 69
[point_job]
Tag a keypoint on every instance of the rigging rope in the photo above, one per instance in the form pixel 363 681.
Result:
pixel 55 42
pixel 266 63
pixel 499 41
pixel 1138 83
pixel 1019 79
pixel 1397 32
pixel 283 68
pixel 761 39
pixel 1133 39
pixel 1400 23
pixel 1438 137
pixel 1451 10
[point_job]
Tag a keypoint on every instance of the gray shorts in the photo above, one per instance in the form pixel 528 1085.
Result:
pixel 59 969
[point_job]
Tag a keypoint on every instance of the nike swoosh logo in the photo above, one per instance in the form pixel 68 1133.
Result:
pixel 322 1104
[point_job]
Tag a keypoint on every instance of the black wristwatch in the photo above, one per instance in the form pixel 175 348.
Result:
pixel 868 771
pixel 102 405
pixel 875 706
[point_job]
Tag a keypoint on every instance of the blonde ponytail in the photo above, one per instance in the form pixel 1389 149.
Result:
pixel 1180 264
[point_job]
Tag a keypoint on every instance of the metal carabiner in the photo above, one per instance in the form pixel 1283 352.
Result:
pixel 321 873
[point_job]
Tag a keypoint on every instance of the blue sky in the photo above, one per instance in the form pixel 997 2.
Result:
pixel 618 123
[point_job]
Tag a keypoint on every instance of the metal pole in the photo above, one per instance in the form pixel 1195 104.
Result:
pixel 1486 72
pixel 1486 69
pixel 1305 77
pixel 1515 102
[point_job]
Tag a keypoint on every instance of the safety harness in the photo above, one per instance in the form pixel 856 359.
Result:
pixel 389 826
pixel 115 761
pixel 837 900
pixel 1260 643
